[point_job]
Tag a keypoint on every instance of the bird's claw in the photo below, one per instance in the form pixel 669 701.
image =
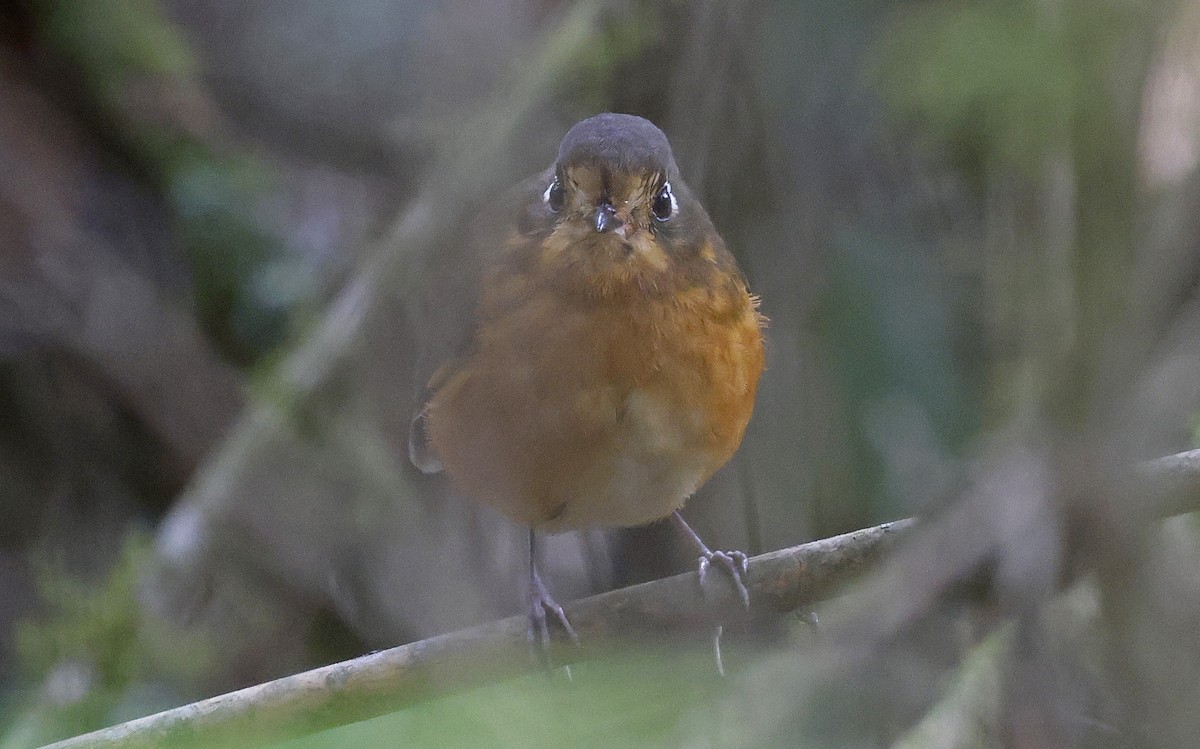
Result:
pixel 734 562
pixel 543 607
pixel 539 613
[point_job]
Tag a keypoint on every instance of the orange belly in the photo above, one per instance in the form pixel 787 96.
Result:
pixel 602 414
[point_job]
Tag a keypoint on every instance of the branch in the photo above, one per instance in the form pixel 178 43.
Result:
pixel 1172 483
pixel 386 681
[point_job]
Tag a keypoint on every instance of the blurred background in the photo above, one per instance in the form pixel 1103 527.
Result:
pixel 974 227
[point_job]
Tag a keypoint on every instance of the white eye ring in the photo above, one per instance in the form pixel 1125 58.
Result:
pixel 549 195
pixel 666 189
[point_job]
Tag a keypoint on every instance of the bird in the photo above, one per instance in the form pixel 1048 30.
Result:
pixel 614 356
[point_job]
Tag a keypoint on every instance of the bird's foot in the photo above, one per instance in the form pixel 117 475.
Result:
pixel 733 562
pixel 542 608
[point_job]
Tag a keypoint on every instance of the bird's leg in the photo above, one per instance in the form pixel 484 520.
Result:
pixel 542 603
pixel 734 562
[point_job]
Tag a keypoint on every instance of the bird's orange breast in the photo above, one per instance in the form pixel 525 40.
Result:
pixel 580 408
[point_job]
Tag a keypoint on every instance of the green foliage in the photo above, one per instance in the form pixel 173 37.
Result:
pixel 890 331
pixel 645 697
pixel 994 81
pixel 141 76
pixel 127 54
pixel 608 65
pixel 110 41
pixel 216 203
pixel 82 648
pixel 85 621
pixel 99 658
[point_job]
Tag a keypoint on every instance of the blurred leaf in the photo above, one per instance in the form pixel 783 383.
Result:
pixel 97 658
pixel 621 42
pixel 229 248
pixel 111 40
pixel 993 80
pixel 637 697
pixel 87 622
pixel 890 331
pixel 142 76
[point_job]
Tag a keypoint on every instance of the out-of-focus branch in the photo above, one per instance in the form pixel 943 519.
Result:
pixel 1173 483
pixel 87 273
pixel 375 684
pixel 968 713
pixel 325 425
pixel 386 681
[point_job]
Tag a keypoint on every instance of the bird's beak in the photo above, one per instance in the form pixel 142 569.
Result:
pixel 605 218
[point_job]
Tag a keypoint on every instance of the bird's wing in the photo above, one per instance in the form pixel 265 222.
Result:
pixel 420 452
pixel 454 281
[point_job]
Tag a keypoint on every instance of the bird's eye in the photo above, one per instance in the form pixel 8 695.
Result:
pixel 554 195
pixel 664 205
